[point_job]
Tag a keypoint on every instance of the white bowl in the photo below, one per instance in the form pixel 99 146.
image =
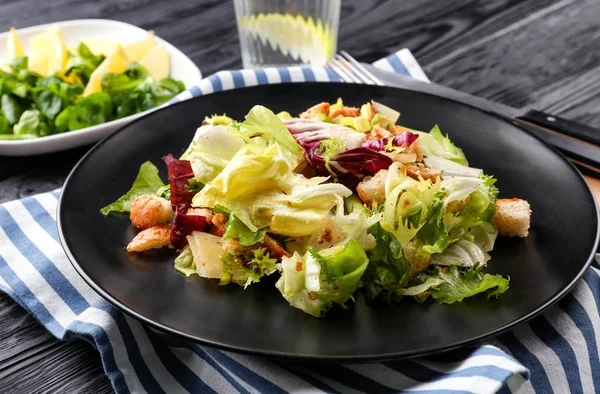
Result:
pixel 74 31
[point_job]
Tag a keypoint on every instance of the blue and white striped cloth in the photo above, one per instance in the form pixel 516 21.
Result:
pixel 556 352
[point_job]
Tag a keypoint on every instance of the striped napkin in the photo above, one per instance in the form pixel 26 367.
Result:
pixel 556 352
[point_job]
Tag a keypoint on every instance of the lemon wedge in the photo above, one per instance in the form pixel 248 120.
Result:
pixel 58 56
pixel 38 53
pixel 157 62
pixel 98 46
pixel 294 36
pixel 116 62
pixel 14 48
pixel 138 50
pixel 48 54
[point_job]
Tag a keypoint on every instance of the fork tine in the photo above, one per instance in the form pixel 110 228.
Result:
pixel 337 68
pixel 350 69
pixel 359 68
pixel 353 71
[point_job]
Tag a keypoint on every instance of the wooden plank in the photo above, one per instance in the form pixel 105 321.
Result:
pixel 533 52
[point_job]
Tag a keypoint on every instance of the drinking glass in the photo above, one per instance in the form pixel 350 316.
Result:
pixel 278 33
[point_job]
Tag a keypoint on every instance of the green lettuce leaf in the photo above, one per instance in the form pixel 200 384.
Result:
pixel 147 182
pixel 263 127
pixel 473 220
pixel 407 205
pixel 418 290
pixel 316 281
pixel 435 144
pixel 433 234
pixel 184 263
pixel 462 253
pixel 210 151
pixel 389 266
pixel 237 229
pixel 460 284
pixel 448 145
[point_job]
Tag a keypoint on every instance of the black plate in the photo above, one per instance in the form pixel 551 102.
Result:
pixel 542 267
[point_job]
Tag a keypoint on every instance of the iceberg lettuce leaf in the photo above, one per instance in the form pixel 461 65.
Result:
pixel 263 127
pixel 262 191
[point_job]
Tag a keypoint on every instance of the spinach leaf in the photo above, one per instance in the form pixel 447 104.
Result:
pixel 136 71
pixel 19 63
pixel 20 89
pixel 5 125
pixel 48 103
pixel 28 77
pixel 32 122
pixel 90 111
pixel 83 63
pixel 62 120
pixel 12 108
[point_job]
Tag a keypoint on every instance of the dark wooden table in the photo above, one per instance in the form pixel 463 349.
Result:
pixel 539 53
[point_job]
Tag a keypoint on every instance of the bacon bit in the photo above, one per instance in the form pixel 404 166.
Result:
pixel 352 112
pixel 426 173
pixel 311 296
pixel 397 129
pixel 444 270
pixel 219 226
pixel 298 266
pixel 378 133
pixel 275 250
pixel 206 212
pixel 373 111
pixel 416 149
pixel 327 235
pixel 314 111
pixel 426 293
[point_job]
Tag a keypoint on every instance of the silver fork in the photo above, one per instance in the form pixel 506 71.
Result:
pixel 350 70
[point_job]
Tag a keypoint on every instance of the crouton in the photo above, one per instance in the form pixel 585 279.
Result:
pixel 421 171
pixel 372 189
pixel 151 238
pixel 148 211
pixel 512 217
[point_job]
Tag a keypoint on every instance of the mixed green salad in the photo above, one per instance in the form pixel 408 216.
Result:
pixel 337 200
pixel 55 90
pixel 33 106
